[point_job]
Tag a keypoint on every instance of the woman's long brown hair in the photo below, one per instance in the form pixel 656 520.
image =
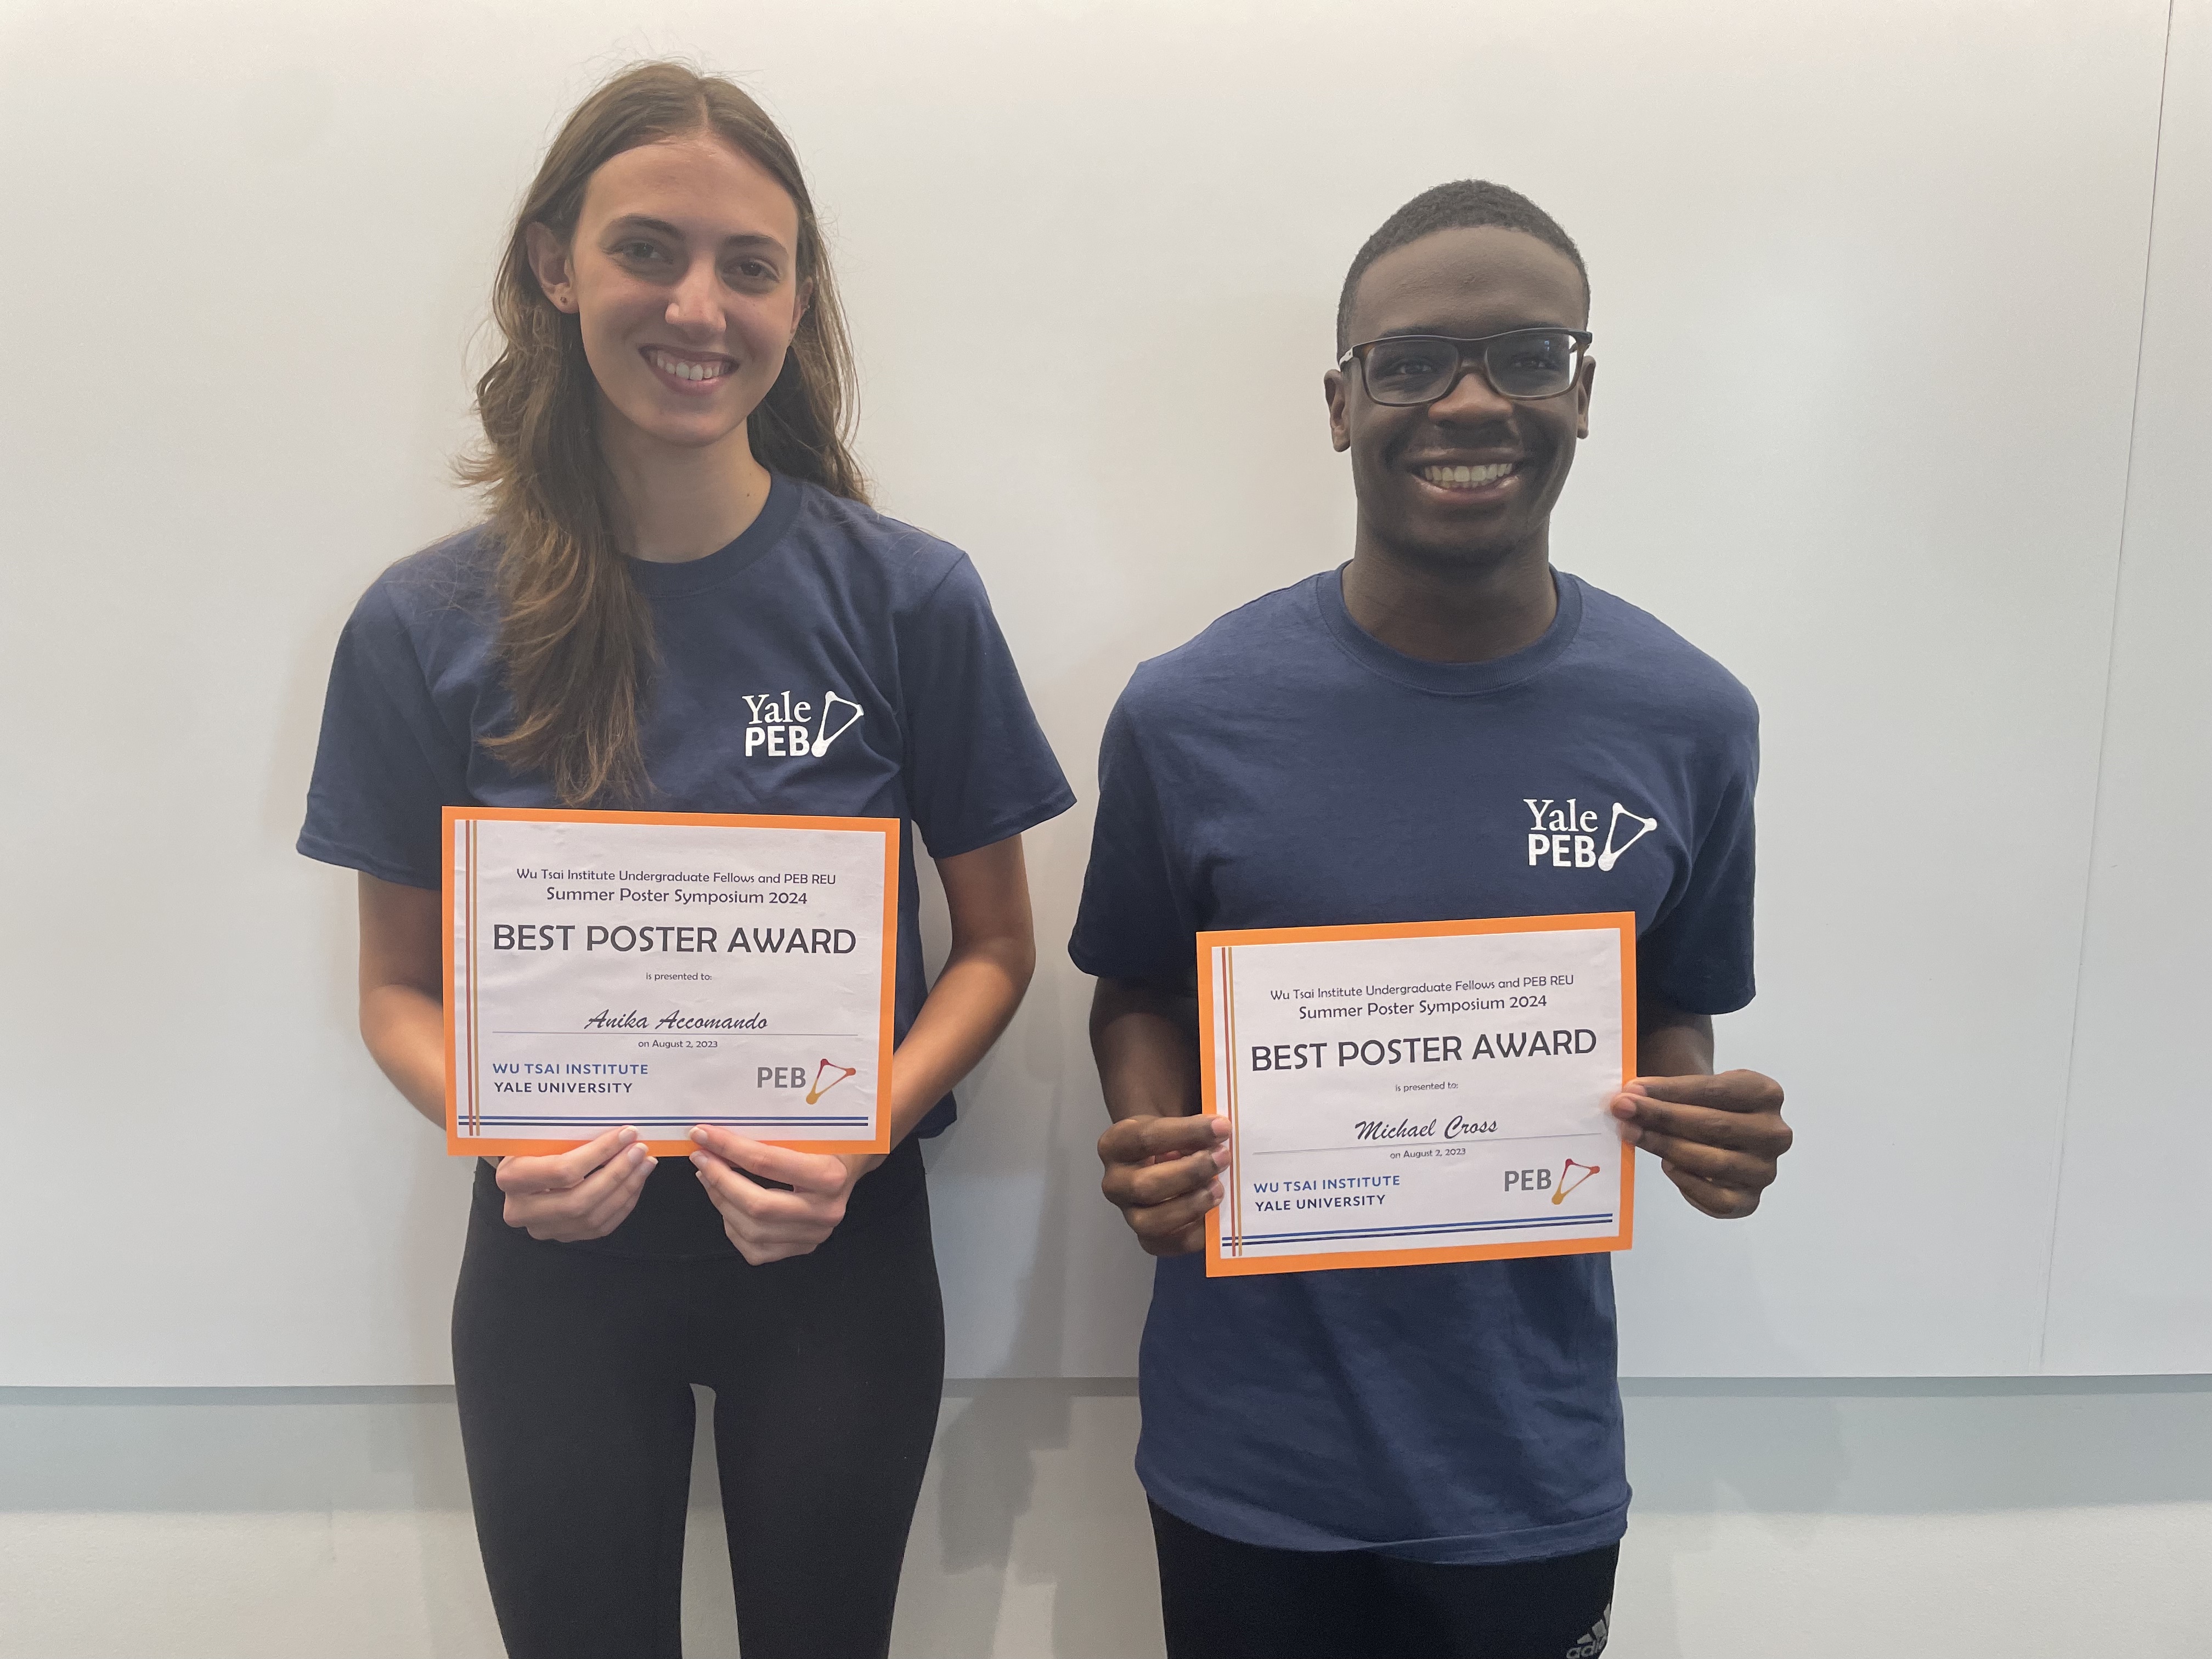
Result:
pixel 576 638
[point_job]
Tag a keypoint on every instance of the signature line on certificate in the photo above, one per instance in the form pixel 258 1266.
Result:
pixel 853 1037
pixel 1468 1140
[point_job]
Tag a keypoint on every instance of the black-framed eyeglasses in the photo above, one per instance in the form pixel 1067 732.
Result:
pixel 1523 364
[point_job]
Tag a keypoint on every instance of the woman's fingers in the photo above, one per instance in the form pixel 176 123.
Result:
pixel 590 1208
pixel 806 1172
pixel 732 1189
pixel 759 1245
pixel 768 1223
pixel 620 1195
pixel 560 1171
pixel 743 1210
pixel 626 1170
pixel 760 1256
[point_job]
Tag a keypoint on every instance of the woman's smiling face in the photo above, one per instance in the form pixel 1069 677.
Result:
pixel 683 272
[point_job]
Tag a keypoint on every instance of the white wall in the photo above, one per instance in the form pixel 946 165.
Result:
pixel 1907 1520
pixel 2131 1254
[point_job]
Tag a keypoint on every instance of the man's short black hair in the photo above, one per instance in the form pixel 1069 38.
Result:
pixel 1462 205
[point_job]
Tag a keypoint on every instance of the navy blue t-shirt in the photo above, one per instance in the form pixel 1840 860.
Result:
pixel 1285 769
pixel 883 633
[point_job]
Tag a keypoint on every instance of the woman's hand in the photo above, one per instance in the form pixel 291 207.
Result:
pixel 769 1223
pixel 585 1192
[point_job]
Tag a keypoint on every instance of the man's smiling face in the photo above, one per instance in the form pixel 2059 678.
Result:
pixel 1429 478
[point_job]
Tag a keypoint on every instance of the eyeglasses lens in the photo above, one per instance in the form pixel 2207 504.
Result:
pixel 1419 369
pixel 1536 364
pixel 1413 370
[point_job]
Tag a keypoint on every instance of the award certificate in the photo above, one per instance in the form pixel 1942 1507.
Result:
pixel 666 969
pixel 1424 1091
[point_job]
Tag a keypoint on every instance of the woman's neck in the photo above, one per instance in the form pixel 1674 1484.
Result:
pixel 673 505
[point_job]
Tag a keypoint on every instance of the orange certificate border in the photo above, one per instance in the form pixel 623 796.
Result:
pixel 1218 1265
pixel 461 1023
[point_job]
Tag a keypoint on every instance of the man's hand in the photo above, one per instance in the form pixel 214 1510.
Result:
pixel 1164 1173
pixel 1716 1138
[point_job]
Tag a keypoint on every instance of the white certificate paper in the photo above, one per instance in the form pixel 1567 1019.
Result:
pixel 1432 1091
pixel 665 971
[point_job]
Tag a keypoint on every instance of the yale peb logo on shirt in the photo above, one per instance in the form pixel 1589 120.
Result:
pixel 791 727
pixel 1563 833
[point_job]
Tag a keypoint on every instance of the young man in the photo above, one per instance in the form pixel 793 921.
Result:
pixel 1418 1462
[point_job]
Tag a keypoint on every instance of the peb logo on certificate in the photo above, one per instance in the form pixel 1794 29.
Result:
pixel 667 970
pixel 1419 1092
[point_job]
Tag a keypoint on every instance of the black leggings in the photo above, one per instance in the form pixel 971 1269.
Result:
pixel 574 1368
pixel 1223 1600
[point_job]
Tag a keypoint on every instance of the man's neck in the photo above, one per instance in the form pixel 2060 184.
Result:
pixel 1447 612
pixel 676 505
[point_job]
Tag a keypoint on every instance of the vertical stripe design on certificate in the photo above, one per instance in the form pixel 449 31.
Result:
pixel 475 1103
pixel 665 971
pixel 1414 1092
pixel 1229 1094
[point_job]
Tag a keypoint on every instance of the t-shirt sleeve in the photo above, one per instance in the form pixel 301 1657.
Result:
pixel 387 762
pixel 1136 920
pixel 978 767
pixel 1698 952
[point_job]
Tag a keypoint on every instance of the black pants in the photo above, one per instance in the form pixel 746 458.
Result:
pixel 574 1367
pixel 1223 1600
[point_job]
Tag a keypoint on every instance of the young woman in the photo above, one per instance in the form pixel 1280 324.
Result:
pixel 677 536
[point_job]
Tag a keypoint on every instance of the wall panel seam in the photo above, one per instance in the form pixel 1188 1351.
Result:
pixel 2104 725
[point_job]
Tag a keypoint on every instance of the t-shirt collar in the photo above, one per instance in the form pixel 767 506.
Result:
pixel 657 581
pixel 1451 678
